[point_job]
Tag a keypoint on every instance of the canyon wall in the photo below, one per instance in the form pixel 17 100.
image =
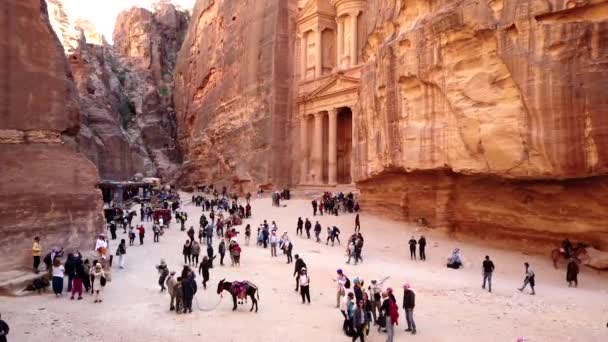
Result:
pixel 487 117
pixel 232 93
pixel 47 188
pixel 125 90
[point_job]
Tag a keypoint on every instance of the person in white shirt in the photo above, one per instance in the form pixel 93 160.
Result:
pixel 274 240
pixel 340 287
pixel 304 285
pixel 58 273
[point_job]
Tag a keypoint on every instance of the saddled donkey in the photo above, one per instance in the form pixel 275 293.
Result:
pixel 240 289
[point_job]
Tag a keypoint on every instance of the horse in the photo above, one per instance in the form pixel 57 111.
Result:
pixel 579 252
pixel 252 292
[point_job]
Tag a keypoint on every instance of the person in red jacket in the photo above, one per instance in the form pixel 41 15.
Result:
pixel 142 232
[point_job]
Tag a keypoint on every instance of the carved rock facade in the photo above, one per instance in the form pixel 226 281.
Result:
pixel 484 117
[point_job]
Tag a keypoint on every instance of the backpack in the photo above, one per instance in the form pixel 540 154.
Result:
pixel 393 311
pixel 102 281
pixel 347 284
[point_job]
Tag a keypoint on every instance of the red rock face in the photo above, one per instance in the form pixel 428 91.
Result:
pixel 507 96
pixel 47 189
pixel 485 117
pixel 232 95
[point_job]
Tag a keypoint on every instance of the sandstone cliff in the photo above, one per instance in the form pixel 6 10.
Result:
pixel 487 117
pixel 47 188
pixel 128 122
pixel 232 93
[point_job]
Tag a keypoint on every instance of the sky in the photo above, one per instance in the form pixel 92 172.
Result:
pixel 103 13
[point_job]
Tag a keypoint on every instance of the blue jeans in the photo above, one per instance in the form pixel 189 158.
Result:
pixel 409 317
pixel 487 276
pixel 70 278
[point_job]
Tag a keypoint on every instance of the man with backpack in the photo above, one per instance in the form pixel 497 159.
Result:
pixel 390 313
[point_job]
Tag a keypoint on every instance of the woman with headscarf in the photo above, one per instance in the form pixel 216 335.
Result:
pixel 455 261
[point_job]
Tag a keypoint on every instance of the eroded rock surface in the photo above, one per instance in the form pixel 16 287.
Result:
pixel 47 188
pixel 128 122
pixel 486 117
pixel 232 95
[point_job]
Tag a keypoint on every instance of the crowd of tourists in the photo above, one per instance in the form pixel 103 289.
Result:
pixel 361 305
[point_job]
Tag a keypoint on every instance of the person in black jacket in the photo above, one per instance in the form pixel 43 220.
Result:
pixel 413 243
pixel 488 268
pixel 307 226
pixel 204 271
pixel 314 207
pixel 300 226
pixel 422 247
pixel 409 302
pixel 299 265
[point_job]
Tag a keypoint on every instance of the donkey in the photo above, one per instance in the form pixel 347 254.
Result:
pixel 251 291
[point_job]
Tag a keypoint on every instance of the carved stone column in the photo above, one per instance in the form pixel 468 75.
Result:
pixel 354 38
pixel 319 51
pixel 333 147
pixel 340 52
pixel 304 150
pixel 303 56
pixel 317 150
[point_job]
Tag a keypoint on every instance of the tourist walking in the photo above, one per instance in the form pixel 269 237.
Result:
pixel 572 272
pixel 359 321
pixel 299 265
pixel 318 231
pixel 304 285
pixel 307 227
pixel 274 240
pixel 131 236
pixel 187 252
pixel 300 226
pixel 221 249
pixel 413 243
pixel 288 248
pixel 487 269
pixel 120 252
pixel 210 255
pixel 142 233
pixel 98 273
pixel 376 298
pixel 314 207
pixel 409 302
pixel 357 224
pixel 247 234
pixel 36 250
pixel 156 231
pixel 203 270
pixel 195 251
pixel 340 281
pixel 77 279
pixel 163 272
pixel 529 279
pixel 390 312
pixel 58 273
pixel 422 248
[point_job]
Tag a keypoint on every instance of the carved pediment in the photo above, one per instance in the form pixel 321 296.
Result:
pixel 336 85
pixel 317 7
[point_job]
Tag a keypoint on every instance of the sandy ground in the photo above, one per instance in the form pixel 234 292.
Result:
pixel 450 304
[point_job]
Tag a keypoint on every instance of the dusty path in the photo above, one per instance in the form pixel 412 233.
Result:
pixel 450 303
